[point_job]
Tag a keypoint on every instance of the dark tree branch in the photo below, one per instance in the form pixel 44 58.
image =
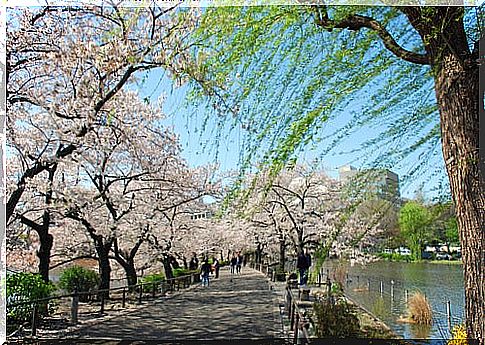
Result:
pixel 356 22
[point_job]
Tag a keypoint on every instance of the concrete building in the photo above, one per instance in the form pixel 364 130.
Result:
pixel 382 182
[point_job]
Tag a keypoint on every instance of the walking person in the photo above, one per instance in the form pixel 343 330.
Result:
pixel 205 270
pixel 239 262
pixel 304 261
pixel 215 264
pixel 233 264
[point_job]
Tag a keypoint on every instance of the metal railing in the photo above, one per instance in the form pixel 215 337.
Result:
pixel 137 293
pixel 299 321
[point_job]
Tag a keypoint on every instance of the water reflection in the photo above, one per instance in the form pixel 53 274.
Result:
pixel 420 331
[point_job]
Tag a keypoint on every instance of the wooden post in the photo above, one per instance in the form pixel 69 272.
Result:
pixel 292 319
pixel 392 289
pixel 102 304
pixel 34 319
pixel 140 294
pixel 368 285
pixel 319 279
pixel 448 314
pixel 123 303
pixel 406 295
pixel 74 308
pixel 290 304
pixel 295 333
pixel 382 287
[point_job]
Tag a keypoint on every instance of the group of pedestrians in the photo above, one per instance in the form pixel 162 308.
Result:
pixel 206 269
pixel 237 262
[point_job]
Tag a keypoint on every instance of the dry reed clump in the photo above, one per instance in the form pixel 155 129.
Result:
pixel 340 273
pixel 419 309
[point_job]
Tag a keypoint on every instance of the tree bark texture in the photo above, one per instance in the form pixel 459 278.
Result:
pixel 456 74
pixel 103 250
pixel 282 257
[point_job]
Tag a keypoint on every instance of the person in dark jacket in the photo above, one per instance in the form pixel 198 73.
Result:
pixel 233 264
pixel 239 262
pixel 205 270
pixel 303 263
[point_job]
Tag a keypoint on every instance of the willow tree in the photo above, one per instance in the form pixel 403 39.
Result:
pixel 283 73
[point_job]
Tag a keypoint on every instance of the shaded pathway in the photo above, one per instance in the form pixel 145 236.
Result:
pixel 233 307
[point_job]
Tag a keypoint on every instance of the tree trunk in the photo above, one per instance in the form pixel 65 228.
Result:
pixel 103 249
pixel 282 258
pixel 258 254
pixel 457 92
pixel 167 267
pixel 44 253
pixel 130 270
pixel 456 76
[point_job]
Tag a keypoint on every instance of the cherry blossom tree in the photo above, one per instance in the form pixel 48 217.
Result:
pixel 64 67
pixel 305 208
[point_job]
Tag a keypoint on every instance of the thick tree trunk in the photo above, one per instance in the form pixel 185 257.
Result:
pixel 167 267
pixel 457 92
pixel 44 254
pixel 103 249
pixel 130 270
pixel 456 74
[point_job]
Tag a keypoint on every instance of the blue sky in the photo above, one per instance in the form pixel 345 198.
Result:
pixel 187 122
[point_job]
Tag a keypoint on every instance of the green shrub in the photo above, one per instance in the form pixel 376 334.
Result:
pixel 181 272
pixel 336 320
pixel 337 289
pixel 24 287
pixel 152 279
pixel 79 279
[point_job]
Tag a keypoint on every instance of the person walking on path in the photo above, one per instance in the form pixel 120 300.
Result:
pixel 205 270
pixel 303 263
pixel 216 265
pixel 233 264
pixel 239 263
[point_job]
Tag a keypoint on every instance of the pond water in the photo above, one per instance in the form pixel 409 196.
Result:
pixel 440 283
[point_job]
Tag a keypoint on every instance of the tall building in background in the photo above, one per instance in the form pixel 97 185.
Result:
pixel 381 182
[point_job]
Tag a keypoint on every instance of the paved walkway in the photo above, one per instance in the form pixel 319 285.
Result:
pixel 233 307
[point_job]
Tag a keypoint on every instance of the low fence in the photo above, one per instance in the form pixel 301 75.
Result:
pixel 97 299
pixel 298 319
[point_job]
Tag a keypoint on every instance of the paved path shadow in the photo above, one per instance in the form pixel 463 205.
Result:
pixel 232 307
